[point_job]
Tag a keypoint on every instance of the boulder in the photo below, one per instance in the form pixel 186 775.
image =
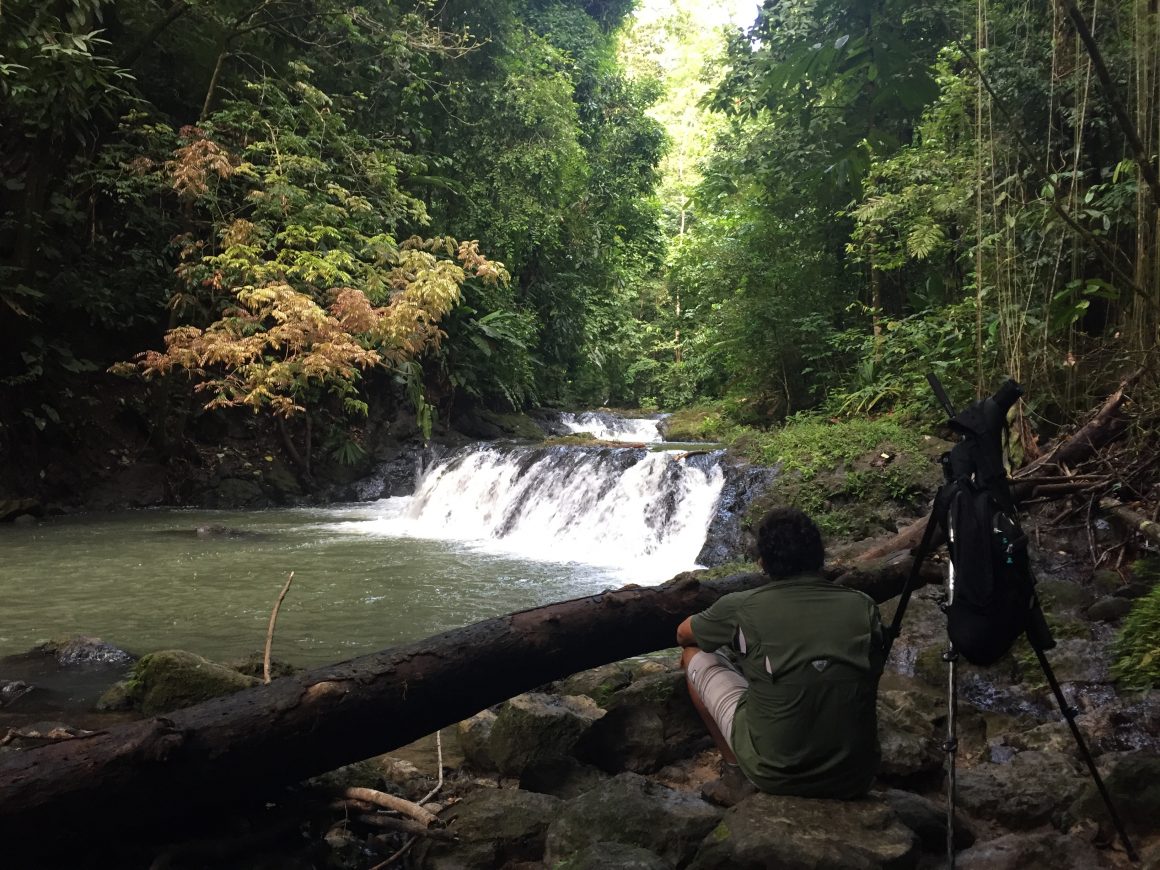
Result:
pixel 475 740
pixel 1033 789
pixel 1133 781
pixel 928 819
pixel 12 691
pixel 599 684
pixel 632 811
pixel 564 778
pixel 648 724
pixel 910 753
pixel 1109 609
pixel 171 679
pixel 772 831
pixel 11 508
pixel 534 728
pixel 495 827
pixel 1046 850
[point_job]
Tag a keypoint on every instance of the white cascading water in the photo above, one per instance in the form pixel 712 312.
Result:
pixel 643 514
pixel 610 427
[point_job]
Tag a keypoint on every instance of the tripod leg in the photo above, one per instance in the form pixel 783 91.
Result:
pixel 1069 714
pixel 951 747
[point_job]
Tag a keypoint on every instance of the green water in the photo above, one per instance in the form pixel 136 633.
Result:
pixel 146 580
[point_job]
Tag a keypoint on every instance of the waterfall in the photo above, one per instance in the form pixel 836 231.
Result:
pixel 606 426
pixel 643 514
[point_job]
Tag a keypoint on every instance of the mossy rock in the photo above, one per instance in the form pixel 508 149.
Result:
pixel 515 425
pixel 171 679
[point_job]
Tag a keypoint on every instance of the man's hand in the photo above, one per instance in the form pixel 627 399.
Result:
pixel 685 633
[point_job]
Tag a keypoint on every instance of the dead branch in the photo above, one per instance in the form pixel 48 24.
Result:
pixel 1137 521
pixel 390 802
pixel 270 629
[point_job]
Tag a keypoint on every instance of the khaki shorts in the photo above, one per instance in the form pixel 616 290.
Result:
pixel 720 686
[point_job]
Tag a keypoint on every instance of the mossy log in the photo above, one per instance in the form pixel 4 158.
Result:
pixel 245 745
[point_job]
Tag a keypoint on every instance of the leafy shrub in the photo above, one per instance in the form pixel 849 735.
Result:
pixel 1137 646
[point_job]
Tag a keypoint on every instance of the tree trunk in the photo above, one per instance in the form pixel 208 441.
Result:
pixel 245 745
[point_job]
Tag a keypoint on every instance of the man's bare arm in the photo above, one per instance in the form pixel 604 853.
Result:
pixel 685 633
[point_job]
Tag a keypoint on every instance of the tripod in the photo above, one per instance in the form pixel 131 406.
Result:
pixel 999 603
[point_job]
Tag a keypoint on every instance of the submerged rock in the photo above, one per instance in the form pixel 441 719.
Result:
pixel 84 650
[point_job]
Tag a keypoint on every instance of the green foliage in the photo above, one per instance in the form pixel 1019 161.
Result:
pixel 1137 646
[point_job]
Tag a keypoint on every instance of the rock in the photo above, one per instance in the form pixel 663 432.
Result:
pixel 12 691
pixel 495 827
pixel 25 520
pixel 116 699
pixel 1062 595
pixel 11 508
pixel 649 724
pixel 1032 790
pixel 603 856
pixel 727 539
pixel 171 679
pixel 254 665
pixel 1048 850
pixel 234 492
pixel 475 738
pixel 535 728
pixel 1076 660
pixel 141 484
pixel 1109 609
pixel 599 684
pixel 927 819
pixel 910 753
pixel 83 650
pixel 772 831
pixel 1133 781
pixel 632 811
pixel 564 778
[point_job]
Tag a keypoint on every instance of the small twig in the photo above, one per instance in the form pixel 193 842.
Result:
pixel 390 802
pixel 439 762
pixel 270 630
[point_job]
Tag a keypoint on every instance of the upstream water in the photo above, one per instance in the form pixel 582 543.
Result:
pixel 489 530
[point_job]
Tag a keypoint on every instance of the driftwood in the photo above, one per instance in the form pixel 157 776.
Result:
pixel 245 745
pixel 1104 427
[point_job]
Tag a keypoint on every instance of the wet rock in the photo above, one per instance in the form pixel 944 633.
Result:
pixel 648 724
pixel 1058 596
pixel 535 728
pixel 396 474
pixel 1109 609
pixel 770 831
pixel 11 508
pixel 1032 790
pixel 602 856
pixel 84 650
pixel 1048 850
pixel 1076 660
pixel 12 691
pixel 1133 781
pixel 475 738
pixel 928 820
pixel 727 539
pixel 171 679
pixel 495 827
pixel 632 811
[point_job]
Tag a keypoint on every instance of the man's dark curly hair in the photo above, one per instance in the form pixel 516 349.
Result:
pixel 789 542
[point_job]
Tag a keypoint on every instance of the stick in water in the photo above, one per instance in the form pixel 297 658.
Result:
pixel 270 630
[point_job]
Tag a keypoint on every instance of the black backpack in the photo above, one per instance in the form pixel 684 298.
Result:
pixel 991 599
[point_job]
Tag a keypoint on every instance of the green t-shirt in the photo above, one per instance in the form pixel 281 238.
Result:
pixel 812 653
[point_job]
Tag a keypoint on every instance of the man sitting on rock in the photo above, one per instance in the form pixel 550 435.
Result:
pixel 785 676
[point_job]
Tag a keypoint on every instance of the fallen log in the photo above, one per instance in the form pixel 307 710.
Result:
pixel 242 747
